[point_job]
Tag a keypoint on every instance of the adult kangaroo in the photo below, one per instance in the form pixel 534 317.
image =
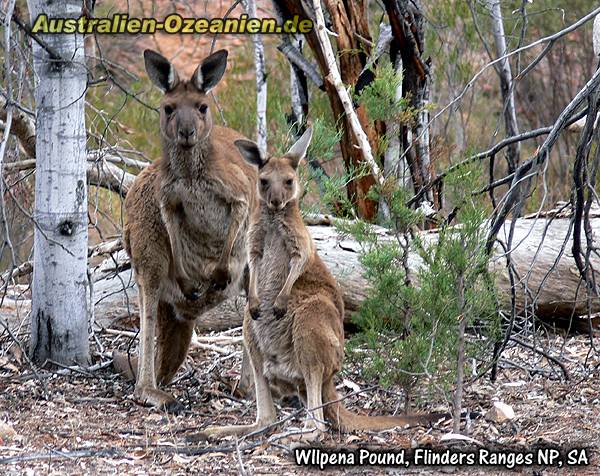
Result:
pixel 187 216
pixel 293 325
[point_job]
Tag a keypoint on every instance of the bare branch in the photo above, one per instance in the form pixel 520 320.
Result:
pixel 334 78
pixel 297 58
pixel 23 127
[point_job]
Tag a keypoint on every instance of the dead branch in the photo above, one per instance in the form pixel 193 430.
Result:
pixel 334 78
pixel 516 194
pixel 22 270
pixel 550 284
pixel 101 171
pixel 295 57
pixel 491 152
pixel 543 353
pixel 23 127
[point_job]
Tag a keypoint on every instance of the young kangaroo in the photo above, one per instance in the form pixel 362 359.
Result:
pixel 187 219
pixel 302 352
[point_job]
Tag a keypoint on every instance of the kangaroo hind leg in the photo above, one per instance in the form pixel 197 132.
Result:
pixel 265 409
pixel 146 390
pixel 174 337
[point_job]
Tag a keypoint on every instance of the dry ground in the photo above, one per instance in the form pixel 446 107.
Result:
pixel 87 422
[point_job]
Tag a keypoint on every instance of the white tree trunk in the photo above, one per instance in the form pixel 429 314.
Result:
pixel 261 82
pixel 295 86
pixel 59 318
pixel 506 82
pixel 394 164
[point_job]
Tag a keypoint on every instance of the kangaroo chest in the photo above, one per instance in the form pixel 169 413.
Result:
pixel 204 218
pixel 206 215
pixel 274 338
pixel 273 269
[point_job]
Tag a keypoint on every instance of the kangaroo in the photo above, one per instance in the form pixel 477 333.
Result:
pixel 186 230
pixel 303 351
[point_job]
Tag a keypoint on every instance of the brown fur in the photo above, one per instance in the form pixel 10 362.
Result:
pixel 186 230
pixel 302 352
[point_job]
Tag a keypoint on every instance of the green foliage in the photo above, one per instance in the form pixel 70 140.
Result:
pixel 325 139
pixel 412 321
pixel 379 97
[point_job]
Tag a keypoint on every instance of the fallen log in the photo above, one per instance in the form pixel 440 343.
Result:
pixel 546 274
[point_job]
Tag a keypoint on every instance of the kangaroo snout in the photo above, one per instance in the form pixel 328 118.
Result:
pixel 186 136
pixel 275 204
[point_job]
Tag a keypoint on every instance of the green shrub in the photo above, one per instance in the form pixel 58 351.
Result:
pixel 411 320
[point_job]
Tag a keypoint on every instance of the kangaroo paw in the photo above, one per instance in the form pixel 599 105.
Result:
pixel 220 278
pixel 254 312
pixel 253 306
pixel 188 289
pixel 279 312
pixel 193 295
pixel 280 306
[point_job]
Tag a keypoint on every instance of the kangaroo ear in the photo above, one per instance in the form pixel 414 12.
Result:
pixel 250 152
pixel 160 71
pixel 298 150
pixel 210 71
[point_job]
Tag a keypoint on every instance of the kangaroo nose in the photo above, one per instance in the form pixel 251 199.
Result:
pixel 186 133
pixel 275 203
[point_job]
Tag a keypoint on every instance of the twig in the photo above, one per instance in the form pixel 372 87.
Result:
pixel 491 153
pixel 546 39
pixel 55 454
pixel 23 26
pixel 543 353
pixel 87 371
pixel 242 468
pixel 212 348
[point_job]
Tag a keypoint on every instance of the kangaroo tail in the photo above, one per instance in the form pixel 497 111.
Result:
pixel 344 420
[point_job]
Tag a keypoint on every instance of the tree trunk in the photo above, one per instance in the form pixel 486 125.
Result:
pixel 59 318
pixel 261 82
pixel 460 358
pixel 299 100
pixel 349 22
pixel 506 84
pixel 406 21
pixel 394 162
pixel 596 36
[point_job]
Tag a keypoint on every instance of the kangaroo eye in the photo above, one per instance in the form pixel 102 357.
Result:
pixel 203 108
pixel 263 182
pixel 289 182
pixel 169 110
